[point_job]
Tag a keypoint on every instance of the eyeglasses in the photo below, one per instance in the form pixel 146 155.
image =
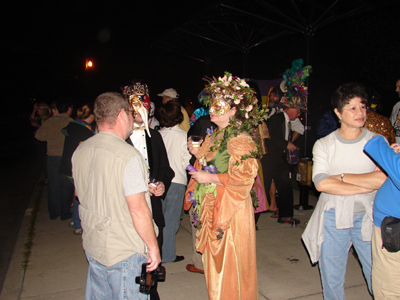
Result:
pixel 354 109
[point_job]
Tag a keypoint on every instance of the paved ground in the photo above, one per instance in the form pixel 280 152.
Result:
pixel 19 171
pixel 57 267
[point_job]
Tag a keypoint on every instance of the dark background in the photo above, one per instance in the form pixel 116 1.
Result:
pixel 46 45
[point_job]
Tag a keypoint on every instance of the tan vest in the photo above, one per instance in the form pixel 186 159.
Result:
pixel 98 169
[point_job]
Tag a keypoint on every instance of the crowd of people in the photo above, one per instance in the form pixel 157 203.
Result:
pixel 124 171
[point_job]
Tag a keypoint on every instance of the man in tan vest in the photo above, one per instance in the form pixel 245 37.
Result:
pixel 111 183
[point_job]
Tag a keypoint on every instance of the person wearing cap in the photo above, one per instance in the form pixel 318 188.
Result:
pixel 170 94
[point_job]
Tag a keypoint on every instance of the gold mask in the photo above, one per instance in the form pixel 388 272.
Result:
pixel 134 103
pixel 219 107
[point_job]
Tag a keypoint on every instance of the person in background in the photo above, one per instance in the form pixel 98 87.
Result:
pixel 175 141
pixel 75 133
pixel 395 115
pixel 60 188
pixel 347 179
pixel 281 136
pixel 297 128
pixel 171 94
pixel 201 125
pixel 327 124
pixel 376 122
pixel 41 112
pixel 385 264
pixel 153 122
pixel 112 186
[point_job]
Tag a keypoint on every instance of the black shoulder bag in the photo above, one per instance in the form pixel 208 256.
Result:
pixel 390 231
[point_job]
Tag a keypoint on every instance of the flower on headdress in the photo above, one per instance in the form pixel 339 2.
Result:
pixel 243 83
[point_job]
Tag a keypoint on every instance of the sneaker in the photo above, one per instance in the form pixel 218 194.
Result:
pixel 288 220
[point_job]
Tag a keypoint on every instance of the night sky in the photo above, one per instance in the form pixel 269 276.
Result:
pixel 46 45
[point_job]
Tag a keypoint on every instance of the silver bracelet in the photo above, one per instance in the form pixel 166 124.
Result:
pixel 341 177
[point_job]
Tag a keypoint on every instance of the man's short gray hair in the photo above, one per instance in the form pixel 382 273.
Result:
pixel 107 107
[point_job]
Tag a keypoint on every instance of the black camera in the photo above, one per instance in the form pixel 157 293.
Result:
pixel 147 280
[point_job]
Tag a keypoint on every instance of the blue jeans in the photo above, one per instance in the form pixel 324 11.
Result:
pixel 115 282
pixel 60 190
pixel 172 207
pixel 75 215
pixel 75 211
pixel 334 254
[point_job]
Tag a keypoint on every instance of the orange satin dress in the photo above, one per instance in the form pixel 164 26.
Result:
pixel 230 265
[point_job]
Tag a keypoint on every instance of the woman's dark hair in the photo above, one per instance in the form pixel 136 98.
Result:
pixel 344 93
pixel 85 111
pixel 62 104
pixel 170 114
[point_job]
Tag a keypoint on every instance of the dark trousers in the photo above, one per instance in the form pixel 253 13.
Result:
pixel 278 170
pixel 60 190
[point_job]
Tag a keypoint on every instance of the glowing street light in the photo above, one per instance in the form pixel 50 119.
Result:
pixel 89 64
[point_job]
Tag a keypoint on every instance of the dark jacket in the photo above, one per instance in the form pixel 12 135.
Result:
pixel 199 128
pixel 75 133
pixel 276 144
pixel 159 170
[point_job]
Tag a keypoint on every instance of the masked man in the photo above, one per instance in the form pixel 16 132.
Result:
pixel 150 144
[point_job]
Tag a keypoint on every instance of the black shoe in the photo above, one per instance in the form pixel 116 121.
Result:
pixel 179 258
pixel 288 220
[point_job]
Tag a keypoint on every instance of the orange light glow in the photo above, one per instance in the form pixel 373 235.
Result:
pixel 89 64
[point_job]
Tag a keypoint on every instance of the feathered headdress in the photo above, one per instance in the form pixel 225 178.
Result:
pixel 295 92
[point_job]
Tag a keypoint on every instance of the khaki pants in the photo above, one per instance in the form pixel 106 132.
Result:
pixel 385 269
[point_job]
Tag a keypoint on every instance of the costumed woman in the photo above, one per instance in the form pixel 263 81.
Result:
pixel 224 213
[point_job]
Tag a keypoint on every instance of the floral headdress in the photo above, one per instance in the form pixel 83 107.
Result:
pixel 237 93
pixel 295 92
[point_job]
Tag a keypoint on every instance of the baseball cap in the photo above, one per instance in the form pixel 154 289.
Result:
pixel 169 93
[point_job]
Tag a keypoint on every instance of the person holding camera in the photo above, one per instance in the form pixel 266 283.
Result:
pixel 111 182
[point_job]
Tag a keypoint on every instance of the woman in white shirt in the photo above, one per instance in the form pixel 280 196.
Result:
pixel 175 140
pixel 347 180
